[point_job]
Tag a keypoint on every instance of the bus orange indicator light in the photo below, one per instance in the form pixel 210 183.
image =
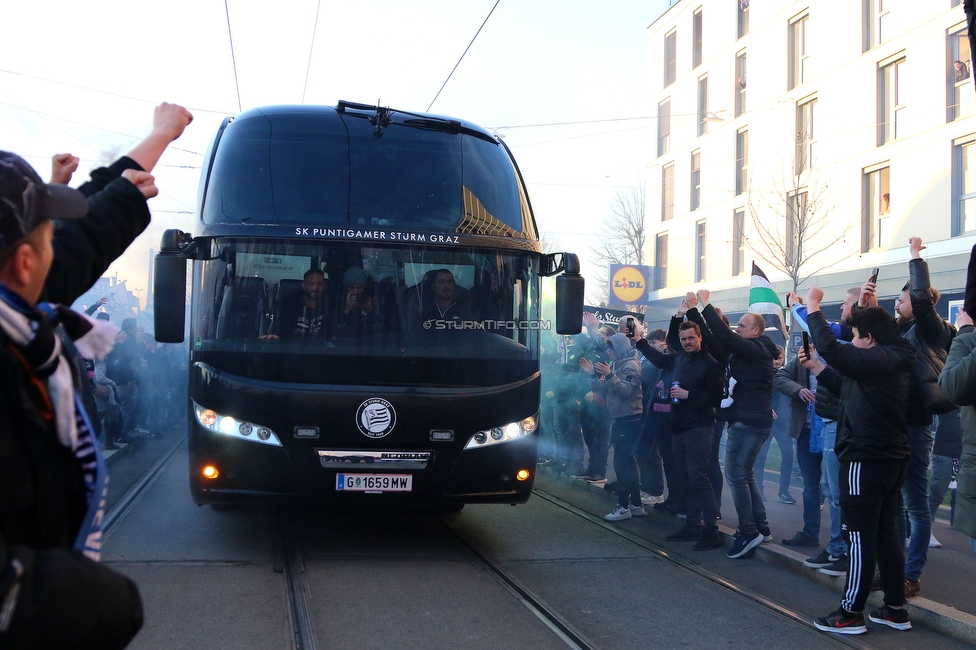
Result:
pixel 522 475
pixel 209 471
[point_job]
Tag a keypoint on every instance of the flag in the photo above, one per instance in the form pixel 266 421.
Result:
pixel 763 300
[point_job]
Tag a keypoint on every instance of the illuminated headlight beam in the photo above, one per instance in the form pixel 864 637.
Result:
pixel 503 433
pixel 230 426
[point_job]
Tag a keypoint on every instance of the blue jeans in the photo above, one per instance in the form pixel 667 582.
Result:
pixel 810 468
pixel 744 443
pixel 915 496
pixel 939 483
pixel 831 487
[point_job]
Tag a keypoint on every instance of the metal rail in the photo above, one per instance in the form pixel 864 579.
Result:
pixel 133 493
pixel 293 567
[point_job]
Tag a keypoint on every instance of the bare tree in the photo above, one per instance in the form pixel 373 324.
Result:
pixel 794 223
pixel 621 236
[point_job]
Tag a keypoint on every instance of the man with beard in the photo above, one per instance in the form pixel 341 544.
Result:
pixel 307 318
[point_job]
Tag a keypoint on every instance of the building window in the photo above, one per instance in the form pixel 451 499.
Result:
pixel 890 102
pixel 695 179
pixel 796 222
pixel 959 92
pixel 804 156
pixel 667 192
pixel 738 242
pixel 664 127
pixel 964 187
pixel 876 18
pixel 700 251
pixel 670 57
pixel 740 83
pixel 696 28
pixel 876 211
pixel 741 161
pixel 661 261
pixel 743 23
pixel 797 72
pixel 703 105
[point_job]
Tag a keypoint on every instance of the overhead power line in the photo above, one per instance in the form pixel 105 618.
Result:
pixel 230 37
pixel 108 92
pixel 462 55
pixel 311 48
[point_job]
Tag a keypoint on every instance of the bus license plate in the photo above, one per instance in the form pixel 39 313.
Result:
pixel 374 482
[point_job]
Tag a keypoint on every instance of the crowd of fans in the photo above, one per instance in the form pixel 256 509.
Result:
pixel 877 409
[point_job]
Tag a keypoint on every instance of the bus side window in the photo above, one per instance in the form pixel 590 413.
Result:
pixel 242 311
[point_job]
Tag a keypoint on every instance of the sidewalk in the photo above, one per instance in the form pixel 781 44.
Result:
pixel 948 586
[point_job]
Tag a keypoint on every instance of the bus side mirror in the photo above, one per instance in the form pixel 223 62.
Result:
pixel 169 288
pixel 569 296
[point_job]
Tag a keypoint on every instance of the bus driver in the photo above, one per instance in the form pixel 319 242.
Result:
pixel 307 318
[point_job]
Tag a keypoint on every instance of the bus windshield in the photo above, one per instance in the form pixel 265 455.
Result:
pixel 346 313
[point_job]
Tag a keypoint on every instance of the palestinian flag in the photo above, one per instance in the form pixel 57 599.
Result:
pixel 763 300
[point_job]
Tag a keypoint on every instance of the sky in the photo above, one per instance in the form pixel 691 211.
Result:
pixel 83 77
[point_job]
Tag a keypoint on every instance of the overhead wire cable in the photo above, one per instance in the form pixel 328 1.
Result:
pixel 462 55
pixel 106 92
pixel 311 48
pixel 44 115
pixel 230 37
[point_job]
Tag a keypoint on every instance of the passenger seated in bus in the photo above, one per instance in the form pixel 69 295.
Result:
pixel 306 318
pixel 355 316
pixel 442 299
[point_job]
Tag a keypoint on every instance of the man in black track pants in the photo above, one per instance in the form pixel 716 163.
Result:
pixel 872 377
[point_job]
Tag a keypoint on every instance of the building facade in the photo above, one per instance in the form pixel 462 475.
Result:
pixel 813 138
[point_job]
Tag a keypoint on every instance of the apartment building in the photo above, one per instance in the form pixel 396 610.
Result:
pixel 816 134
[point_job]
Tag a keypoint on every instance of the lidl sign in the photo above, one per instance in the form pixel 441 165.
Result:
pixel 628 283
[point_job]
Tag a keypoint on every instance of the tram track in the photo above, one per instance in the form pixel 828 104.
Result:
pixel 122 506
pixel 713 578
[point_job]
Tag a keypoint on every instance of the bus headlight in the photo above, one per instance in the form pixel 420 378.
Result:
pixel 503 433
pixel 230 426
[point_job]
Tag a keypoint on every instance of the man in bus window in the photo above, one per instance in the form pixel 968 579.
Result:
pixel 305 319
pixel 356 315
pixel 442 298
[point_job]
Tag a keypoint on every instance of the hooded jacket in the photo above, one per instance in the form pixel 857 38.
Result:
pixel 622 387
pixel 873 385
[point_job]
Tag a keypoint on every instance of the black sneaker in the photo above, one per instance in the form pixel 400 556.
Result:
pixel 786 498
pixel 838 568
pixel 685 535
pixel 841 622
pixel 896 618
pixel 801 539
pixel 708 542
pixel 822 560
pixel 742 544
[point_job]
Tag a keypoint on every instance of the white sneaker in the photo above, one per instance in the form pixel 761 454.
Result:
pixel 934 543
pixel 619 514
pixel 637 511
pixel 650 500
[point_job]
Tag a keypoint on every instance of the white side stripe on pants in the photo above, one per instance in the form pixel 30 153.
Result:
pixel 853 571
pixel 854 479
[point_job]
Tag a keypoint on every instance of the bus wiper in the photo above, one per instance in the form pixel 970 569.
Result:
pixel 382 117
pixel 447 126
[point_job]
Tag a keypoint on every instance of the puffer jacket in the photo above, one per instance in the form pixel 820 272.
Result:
pixel 931 337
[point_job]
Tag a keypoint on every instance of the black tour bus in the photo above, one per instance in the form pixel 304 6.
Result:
pixel 365 311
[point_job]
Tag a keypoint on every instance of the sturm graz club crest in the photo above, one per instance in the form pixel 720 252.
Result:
pixel 375 418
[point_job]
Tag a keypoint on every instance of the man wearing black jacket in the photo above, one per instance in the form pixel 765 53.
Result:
pixel 872 378
pixel 696 392
pixel 53 592
pixel 750 417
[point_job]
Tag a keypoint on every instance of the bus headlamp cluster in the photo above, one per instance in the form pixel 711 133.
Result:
pixel 503 433
pixel 230 426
